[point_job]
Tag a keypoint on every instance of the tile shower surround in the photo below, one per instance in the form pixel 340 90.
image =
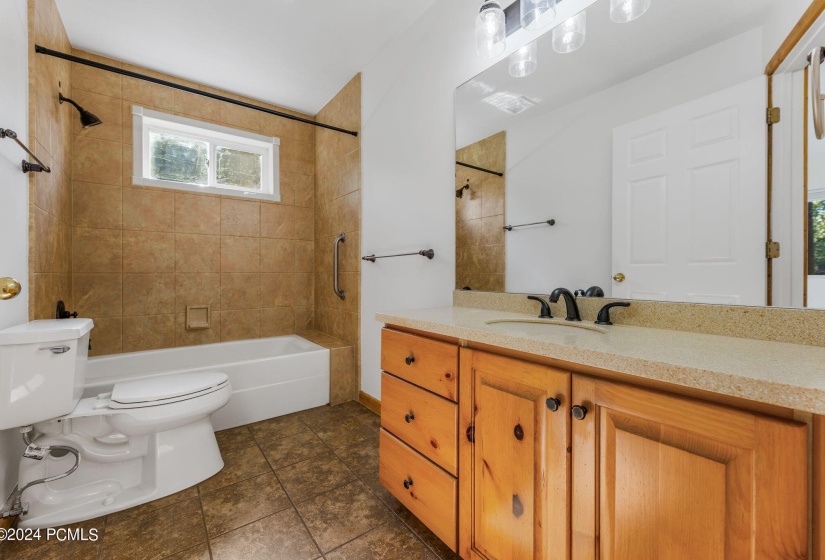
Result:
pixel 301 486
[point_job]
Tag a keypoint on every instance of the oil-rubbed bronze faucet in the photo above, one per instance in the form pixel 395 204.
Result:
pixel 570 300
pixel 545 307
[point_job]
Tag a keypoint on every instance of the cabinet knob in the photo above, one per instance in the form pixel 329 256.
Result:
pixel 553 404
pixel 579 412
pixel 409 360
pixel 409 417
pixel 407 483
pixel 518 431
pixel 471 434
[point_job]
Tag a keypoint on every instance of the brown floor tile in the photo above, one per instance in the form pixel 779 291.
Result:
pixel 157 534
pixel 200 552
pixel 243 502
pixel 344 433
pixel 342 514
pixel 373 421
pixel 234 438
pixel 391 541
pixel 239 464
pixel 52 549
pixel 281 536
pixel 323 415
pixel 314 476
pixel 274 428
pixel 293 449
pixel 361 457
pixel 127 514
pixel 356 409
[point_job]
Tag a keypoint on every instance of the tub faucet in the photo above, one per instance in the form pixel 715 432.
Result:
pixel 569 300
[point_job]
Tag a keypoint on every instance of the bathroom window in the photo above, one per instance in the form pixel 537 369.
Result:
pixel 185 154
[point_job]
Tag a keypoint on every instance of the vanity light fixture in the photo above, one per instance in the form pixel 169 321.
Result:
pixel 87 119
pixel 622 11
pixel 490 30
pixel 524 61
pixel 570 35
pixel 536 14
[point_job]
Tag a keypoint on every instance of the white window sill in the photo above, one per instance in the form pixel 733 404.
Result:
pixel 140 181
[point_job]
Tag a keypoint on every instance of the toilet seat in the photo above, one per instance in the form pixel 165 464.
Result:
pixel 166 389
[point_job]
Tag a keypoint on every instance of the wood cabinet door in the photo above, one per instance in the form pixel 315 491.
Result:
pixel 659 477
pixel 514 464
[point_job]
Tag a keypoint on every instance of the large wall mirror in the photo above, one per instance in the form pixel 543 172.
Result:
pixel 631 157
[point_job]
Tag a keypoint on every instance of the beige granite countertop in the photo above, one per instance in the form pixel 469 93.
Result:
pixel 779 373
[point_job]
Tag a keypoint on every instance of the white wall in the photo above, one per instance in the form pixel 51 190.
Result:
pixel 14 211
pixel 778 25
pixel 408 164
pixel 560 166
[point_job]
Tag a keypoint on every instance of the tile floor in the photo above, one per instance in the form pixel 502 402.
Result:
pixel 302 486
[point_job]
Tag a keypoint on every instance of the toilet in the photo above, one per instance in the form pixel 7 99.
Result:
pixel 143 440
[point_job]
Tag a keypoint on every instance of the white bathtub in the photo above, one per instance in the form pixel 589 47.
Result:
pixel 270 376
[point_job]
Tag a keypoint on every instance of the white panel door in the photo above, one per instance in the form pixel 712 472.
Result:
pixel 689 201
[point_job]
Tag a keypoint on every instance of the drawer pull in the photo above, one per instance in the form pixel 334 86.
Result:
pixel 471 434
pixel 518 431
pixel 579 412
pixel 407 483
pixel 553 404
pixel 409 417
pixel 409 360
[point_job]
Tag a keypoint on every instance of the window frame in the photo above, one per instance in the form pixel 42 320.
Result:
pixel 145 121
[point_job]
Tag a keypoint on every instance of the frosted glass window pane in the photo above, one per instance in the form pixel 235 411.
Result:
pixel 179 159
pixel 238 168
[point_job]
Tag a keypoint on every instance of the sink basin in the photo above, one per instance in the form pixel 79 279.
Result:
pixel 537 326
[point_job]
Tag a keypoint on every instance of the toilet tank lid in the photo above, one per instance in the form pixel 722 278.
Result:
pixel 52 330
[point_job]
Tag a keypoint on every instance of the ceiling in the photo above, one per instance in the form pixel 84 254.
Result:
pixel 612 53
pixel 293 53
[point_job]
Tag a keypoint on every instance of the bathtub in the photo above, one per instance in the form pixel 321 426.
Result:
pixel 270 376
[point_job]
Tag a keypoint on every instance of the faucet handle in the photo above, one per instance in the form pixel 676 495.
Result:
pixel 604 313
pixel 545 307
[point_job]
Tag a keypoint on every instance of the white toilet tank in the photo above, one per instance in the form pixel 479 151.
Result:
pixel 42 370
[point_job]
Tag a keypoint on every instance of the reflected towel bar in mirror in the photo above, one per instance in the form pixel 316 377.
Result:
pixel 548 222
pixel 28 167
pixel 429 253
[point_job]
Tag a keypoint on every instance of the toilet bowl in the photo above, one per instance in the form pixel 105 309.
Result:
pixel 144 440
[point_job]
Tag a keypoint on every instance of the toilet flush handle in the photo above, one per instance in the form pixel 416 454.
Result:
pixel 57 349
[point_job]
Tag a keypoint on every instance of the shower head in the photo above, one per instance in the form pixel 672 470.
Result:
pixel 460 192
pixel 87 119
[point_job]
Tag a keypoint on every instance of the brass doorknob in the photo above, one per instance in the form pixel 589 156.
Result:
pixel 618 277
pixel 9 288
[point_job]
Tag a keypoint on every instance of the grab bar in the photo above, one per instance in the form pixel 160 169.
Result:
pixel 817 105
pixel 429 253
pixel 338 240
pixel 548 222
pixel 28 167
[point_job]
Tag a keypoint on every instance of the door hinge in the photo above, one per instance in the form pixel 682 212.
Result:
pixel 772 250
pixel 774 115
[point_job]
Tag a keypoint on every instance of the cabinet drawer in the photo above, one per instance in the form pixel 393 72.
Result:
pixel 426 422
pixel 431 364
pixel 432 496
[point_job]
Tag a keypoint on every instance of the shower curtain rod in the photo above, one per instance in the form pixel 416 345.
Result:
pixel 121 71
pixel 479 168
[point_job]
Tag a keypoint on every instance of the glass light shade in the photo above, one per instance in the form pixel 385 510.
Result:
pixel 622 11
pixel 570 35
pixel 524 61
pixel 490 30
pixel 536 14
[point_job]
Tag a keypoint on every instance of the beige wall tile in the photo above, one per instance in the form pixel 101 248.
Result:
pixel 52 250
pixel 148 251
pixel 240 117
pixel 97 295
pixel 304 225
pixel 148 332
pixel 197 253
pixel 304 256
pixel 240 218
pixel 298 157
pixel 96 250
pixel 304 318
pixel 94 80
pixel 278 290
pixel 106 336
pixel 148 294
pixel 146 93
pixel 240 291
pixel 197 106
pixel 50 288
pixel 278 255
pixel 97 206
pixel 146 209
pixel 185 337
pixel 240 325
pixel 343 378
pixel 197 289
pixel 304 289
pixel 277 221
pixel 240 254
pixel 277 321
pixel 195 213
pixel 96 161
